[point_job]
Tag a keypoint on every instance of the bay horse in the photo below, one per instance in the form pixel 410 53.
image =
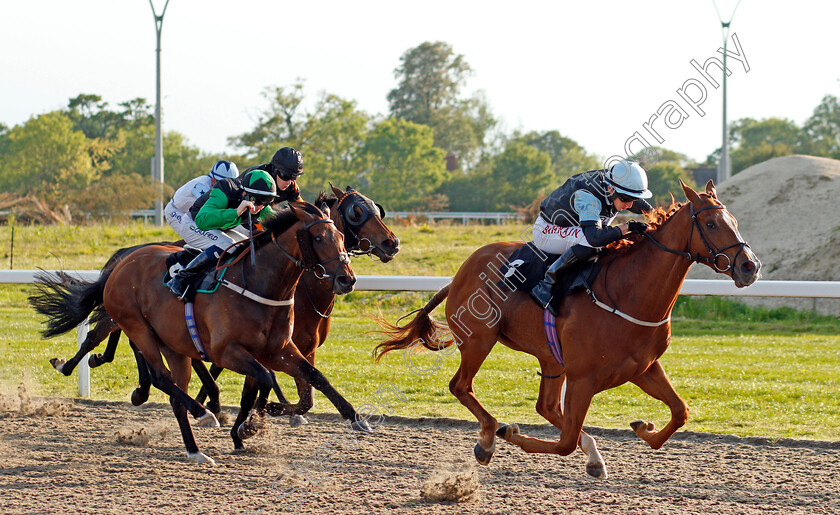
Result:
pixel 248 335
pixel 603 348
pixel 359 219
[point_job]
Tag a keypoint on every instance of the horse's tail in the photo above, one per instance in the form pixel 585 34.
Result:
pixel 66 301
pixel 422 330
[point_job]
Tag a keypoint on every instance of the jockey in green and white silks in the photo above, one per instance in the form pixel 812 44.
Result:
pixel 575 219
pixel 219 216
pixel 178 209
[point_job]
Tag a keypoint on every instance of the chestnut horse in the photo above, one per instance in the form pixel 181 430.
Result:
pixel 602 348
pixel 360 221
pixel 247 335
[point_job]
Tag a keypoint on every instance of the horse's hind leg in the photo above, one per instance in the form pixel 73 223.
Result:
pixel 215 372
pixel 144 377
pixel 474 351
pixel 94 337
pixel 654 382
pixel 110 350
pixel 208 384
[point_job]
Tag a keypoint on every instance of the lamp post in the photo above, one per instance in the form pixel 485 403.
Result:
pixel 157 162
pixel 724 165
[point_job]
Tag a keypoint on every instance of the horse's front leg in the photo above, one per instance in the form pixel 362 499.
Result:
pixel 655 383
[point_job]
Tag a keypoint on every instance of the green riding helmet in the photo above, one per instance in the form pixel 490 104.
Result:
pixel 260 187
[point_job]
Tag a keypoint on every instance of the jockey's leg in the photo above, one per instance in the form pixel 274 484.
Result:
pixel 179 283
pixel 544 291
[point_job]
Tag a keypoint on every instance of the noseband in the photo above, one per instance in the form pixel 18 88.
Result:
pixel 714 254
pixel 305 242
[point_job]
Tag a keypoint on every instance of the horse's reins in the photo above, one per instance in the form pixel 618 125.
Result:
pixel 712 259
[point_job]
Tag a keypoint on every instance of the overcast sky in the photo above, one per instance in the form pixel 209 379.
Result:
pixel 595 71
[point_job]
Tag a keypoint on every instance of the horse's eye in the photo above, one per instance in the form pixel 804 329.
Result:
pixel 710 225
pixel 318 239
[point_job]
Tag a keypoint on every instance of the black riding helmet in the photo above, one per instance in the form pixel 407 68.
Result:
pixel 260 187
pixel 287 164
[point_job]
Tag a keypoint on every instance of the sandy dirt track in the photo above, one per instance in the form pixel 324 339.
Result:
pixel 75 456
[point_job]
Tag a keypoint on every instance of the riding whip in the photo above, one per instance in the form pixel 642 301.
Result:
pixel 251 239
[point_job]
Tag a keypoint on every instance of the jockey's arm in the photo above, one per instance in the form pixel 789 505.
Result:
pixel 215 214
pixel 598 236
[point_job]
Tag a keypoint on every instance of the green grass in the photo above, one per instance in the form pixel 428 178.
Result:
pixel 742 370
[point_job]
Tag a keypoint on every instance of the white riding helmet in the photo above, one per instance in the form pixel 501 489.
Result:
pixel 224 170
pixel 629 178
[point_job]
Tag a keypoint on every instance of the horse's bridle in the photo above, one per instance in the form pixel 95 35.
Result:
pixel 352 224
pixel 342 257
pixel 714 254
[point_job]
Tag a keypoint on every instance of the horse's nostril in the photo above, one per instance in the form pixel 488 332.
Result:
pixel 748 266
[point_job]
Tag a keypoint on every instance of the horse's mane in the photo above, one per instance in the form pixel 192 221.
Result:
pixel 285 218
pixel 655 218
pixel 323 197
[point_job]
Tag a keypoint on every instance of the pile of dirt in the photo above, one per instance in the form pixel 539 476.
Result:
pixel 787 210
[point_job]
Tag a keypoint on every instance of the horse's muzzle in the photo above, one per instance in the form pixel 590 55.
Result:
pixel 343 283
pixel 747 269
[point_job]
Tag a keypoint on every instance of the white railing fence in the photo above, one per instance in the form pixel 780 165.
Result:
pixel 807 289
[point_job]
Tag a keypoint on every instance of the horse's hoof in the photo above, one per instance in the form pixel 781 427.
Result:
pixel 200 457
pixel 275 409
pixel 58 364
pixel 94 360
pixel 596 470
pixel 297 420
pixel 638 425
pixel 483 456
pixel 361 426
pixel 245 431
pixel 139 396
pixel 501 431
pixel 214 407
pixel 208 420
pixel 507 430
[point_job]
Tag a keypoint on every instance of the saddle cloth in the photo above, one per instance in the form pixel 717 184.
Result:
pixel 527 266
pixel 205 282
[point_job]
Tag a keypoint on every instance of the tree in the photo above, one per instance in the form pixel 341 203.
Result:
pixel 278 125
pixel 401 166
pixel 518 175
pixel 755 141
pixel 822 129
pixel 430 78
pixel 567 156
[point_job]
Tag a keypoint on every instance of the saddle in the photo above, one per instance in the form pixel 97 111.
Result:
pixel 206 281
pixel 527 266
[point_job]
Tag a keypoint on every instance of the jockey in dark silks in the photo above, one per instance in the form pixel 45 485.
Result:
pixel 284 168
pixel 575 219
pixel 221 217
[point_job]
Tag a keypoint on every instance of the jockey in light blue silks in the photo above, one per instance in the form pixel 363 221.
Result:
pixel 219 216
pixel 575 219
pixel 178 209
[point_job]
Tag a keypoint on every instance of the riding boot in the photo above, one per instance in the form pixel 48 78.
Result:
pixel 181 281
pixel 543 293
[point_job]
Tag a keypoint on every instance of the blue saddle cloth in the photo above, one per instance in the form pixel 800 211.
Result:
pixel 527 266
pixel 207 282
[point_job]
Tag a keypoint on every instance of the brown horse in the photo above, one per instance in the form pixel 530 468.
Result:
pixel 360 221
pixel 603 348
pixel 243 334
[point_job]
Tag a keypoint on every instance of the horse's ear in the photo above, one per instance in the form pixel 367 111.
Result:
pixel 336 191
pixel 350 189
pixel 690 194
pixel 710 189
